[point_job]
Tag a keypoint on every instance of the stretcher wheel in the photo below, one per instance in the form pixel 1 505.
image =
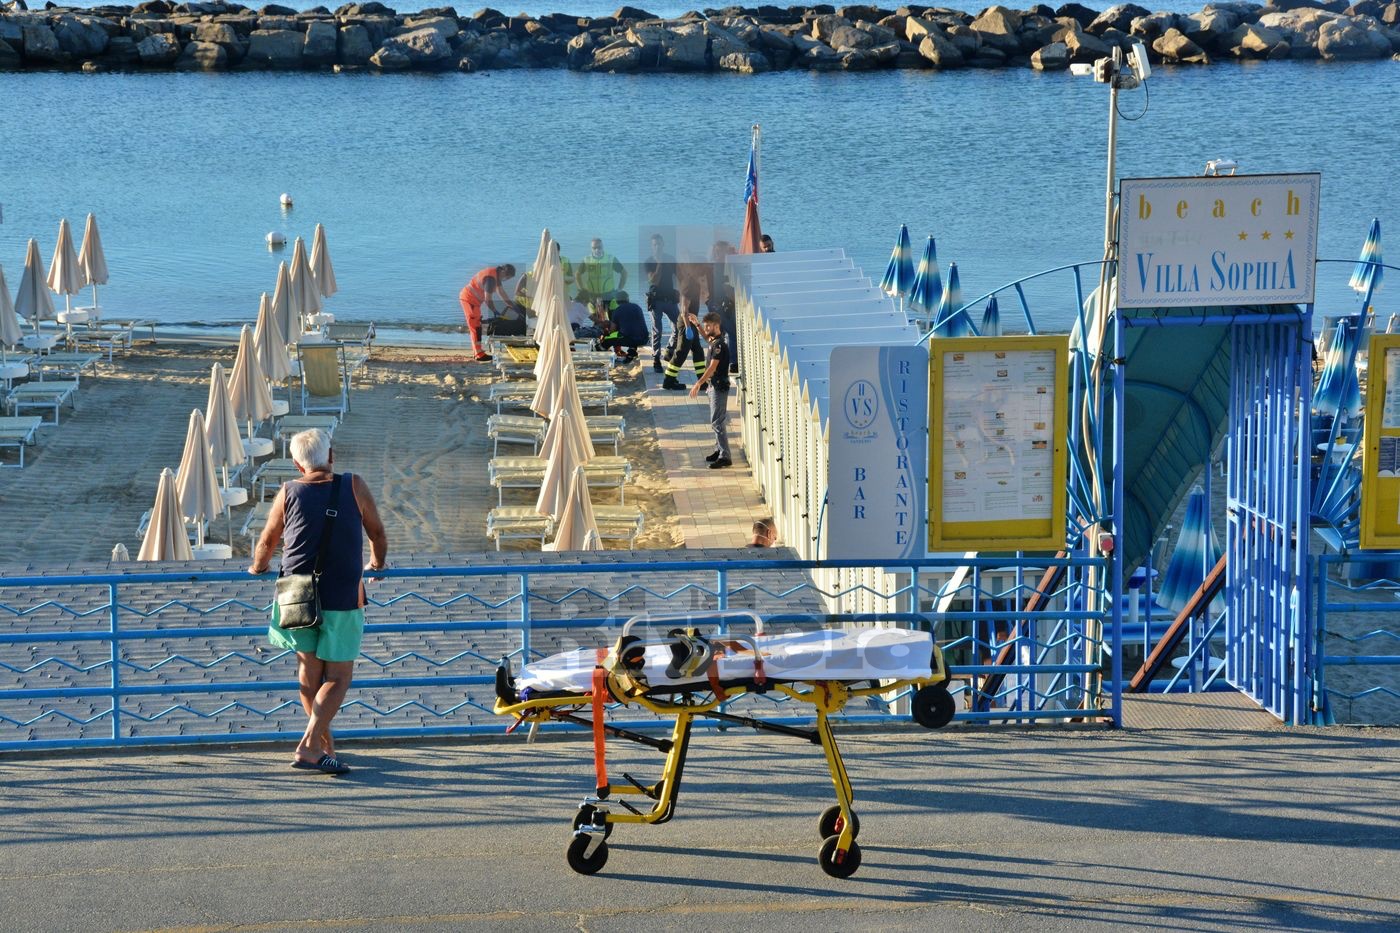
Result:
pixel 582 863
pixel 933 706
pixel 830 822
pixel 587 816
pixel 827 859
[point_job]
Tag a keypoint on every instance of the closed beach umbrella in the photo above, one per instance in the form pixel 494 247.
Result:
pixel 562 456
pixel 10 334
pixel 1196 553
pixel 120 554
pixel 33 303
pixel 270 344
pixel 165 533
pixel 1338 390
pixel 952 320
pixel 92 259
pixel 537 270
pixel 221 425
pixel 321 264
pixel 567 400
pixel 306 296
pixel 928 282
pixel 282 304
pixel 556 352
pixel 247 386
pixel 577 529
pixel 196 483
pixel 549 297
pixel 65 275
pixel 1367 277
pixel 991 319
pixel 899 274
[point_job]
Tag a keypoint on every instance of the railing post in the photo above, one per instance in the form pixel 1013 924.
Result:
pixel 524 618
pixel 116 654
pixel 722 599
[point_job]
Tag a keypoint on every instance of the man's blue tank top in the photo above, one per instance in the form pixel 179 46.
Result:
pixel 306 505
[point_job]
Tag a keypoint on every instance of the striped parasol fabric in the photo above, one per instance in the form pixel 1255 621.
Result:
pixel 1338 390
pixel 1196 553
pixel 991 319
pixel 1366 277
pixel 951 320
pixel 899 274
pixel 928 282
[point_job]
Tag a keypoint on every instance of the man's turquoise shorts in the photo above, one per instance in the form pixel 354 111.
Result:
pixel 337 638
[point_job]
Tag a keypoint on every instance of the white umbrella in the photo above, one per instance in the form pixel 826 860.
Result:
pixel 65 275
pixel 33 302
pixel 321 264
pixel 196 483
pixel 271 344
pixel 165 533
pixel 92 259
pixel 577 529
pixel 306 297
pixel 549 304
pixel 221 424
pixel 120 554
pixel 562 455
pixel 10 334
pixel 555 353
pixel 537 269
pixel 568 400
pixel 282 302
pixel 247 386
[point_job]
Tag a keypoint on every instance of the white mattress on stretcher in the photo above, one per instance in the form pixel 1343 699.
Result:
pixel 854 654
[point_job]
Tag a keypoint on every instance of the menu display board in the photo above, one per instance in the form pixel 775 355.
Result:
pixel 997 448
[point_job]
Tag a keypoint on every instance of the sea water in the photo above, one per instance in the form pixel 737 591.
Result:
pixel 421 179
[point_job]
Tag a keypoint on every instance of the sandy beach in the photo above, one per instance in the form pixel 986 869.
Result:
pixel 416 433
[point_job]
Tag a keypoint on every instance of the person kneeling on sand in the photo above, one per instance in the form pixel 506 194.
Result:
pixel 625 327
pixel 326 653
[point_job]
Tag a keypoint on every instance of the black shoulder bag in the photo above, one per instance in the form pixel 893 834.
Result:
pixel 299 594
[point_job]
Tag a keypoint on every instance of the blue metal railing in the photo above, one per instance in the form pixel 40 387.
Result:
pixel 1357 648
pixel 169 658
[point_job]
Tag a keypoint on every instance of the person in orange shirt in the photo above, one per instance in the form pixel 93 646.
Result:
pixel 479 291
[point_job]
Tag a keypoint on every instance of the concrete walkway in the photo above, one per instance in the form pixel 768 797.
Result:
pixel 1074 830
pixel 716 508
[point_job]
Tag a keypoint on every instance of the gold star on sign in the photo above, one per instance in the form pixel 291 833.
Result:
pixel 1265 235
pixel 1288 235
pixel 1243 235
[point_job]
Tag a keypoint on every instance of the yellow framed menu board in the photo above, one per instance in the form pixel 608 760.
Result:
pixel 1380 463
pixel 998 452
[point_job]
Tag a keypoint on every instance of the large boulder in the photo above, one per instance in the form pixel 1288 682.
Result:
pixel 421 46
pixel 1209 28
pixel 847 37
pixel 1301 28
pixel 443 24
pixel 824 26
pixel 9 58
pixel 220 33
pixel 1153 25
pixel 998 28
pixel 121 52
pixel 390 59
pixel 1085 48
pixel 40 44
pixel 1254 41
pixel 320 46
pixel 159 49
pixel 1347 39
pixel 278 49
pixel 968 41
pixel 749 63
pixel 940 51
pixel 1052 57
pixel 1174 46
pixel 1077 12
pixel 202 56
pixel 618 57
pixel 881 34
pixel 1117 17
pixel 81 36
pixel 352 46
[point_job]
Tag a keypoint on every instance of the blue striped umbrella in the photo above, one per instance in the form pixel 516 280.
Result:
pixel 899 274
pixel 991 319
pixel 951 320
pixel 1365 276
pixel 1196 553
pixel 1338 391
pixel 928 282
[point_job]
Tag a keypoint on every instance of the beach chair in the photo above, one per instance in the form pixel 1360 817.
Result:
pixel 528 473
pixel 356 339
pixel 17 433
pixel 520 394
pixel 274 472
pixel 619 523
pixel 254 523
pixel 64 365
pixel 289 425
pixel 529 429
pixel 44 395
pixel 519 522
pixel 325 378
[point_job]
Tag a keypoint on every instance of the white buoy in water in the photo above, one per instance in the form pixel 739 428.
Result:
pixel 286 199
pixel 276 240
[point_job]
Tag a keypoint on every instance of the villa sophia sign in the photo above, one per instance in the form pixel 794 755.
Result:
pixel 1242 239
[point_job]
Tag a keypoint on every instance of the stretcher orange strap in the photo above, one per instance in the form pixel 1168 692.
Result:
pixel 600 695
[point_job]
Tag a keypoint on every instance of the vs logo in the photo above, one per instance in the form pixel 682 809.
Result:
pixel 862 405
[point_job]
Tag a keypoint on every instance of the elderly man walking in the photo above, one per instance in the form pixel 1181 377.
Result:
pixel 326 653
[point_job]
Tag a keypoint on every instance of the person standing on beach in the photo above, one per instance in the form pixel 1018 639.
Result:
pixel 685 341
pixel 663 298
pixel 599 275
pixel 326 653
pixel 479 291
pixel 716 376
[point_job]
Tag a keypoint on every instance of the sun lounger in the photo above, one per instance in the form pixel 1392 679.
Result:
pixel 110 336
pixel 64 365
pixel 253 524
pixel 190 530
pixel 591 394
pixel 41 395
pixel 274 473
pixel 528 473
pixel 18 432
pixel 520 522
pixel 529 429
pixel 295 424
pixel 588 362
pixel 615 522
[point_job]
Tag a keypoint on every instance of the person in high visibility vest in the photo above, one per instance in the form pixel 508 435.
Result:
pixel 599 275
pixel 489 281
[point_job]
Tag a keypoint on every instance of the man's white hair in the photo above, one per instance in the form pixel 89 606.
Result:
pixel 312 449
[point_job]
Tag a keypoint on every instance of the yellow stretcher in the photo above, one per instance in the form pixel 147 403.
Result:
pixel 705 671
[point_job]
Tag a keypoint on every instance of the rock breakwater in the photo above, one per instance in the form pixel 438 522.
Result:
pixel 219 36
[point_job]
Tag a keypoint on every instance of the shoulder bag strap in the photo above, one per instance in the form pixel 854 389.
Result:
pixel 331 513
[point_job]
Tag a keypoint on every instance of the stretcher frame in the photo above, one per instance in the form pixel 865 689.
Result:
pixel 838 826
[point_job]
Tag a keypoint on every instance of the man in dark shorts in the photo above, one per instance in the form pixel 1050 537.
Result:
pixel 625 329
pixel 716 378
pixel 663 297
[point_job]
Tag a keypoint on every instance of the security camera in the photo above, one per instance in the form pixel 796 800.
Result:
pixel 1137 60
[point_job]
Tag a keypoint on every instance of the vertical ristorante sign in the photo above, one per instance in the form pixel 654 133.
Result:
pixel 1241 239
pixel 877 462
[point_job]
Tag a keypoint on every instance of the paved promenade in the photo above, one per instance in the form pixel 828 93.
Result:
pixel 1079 829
